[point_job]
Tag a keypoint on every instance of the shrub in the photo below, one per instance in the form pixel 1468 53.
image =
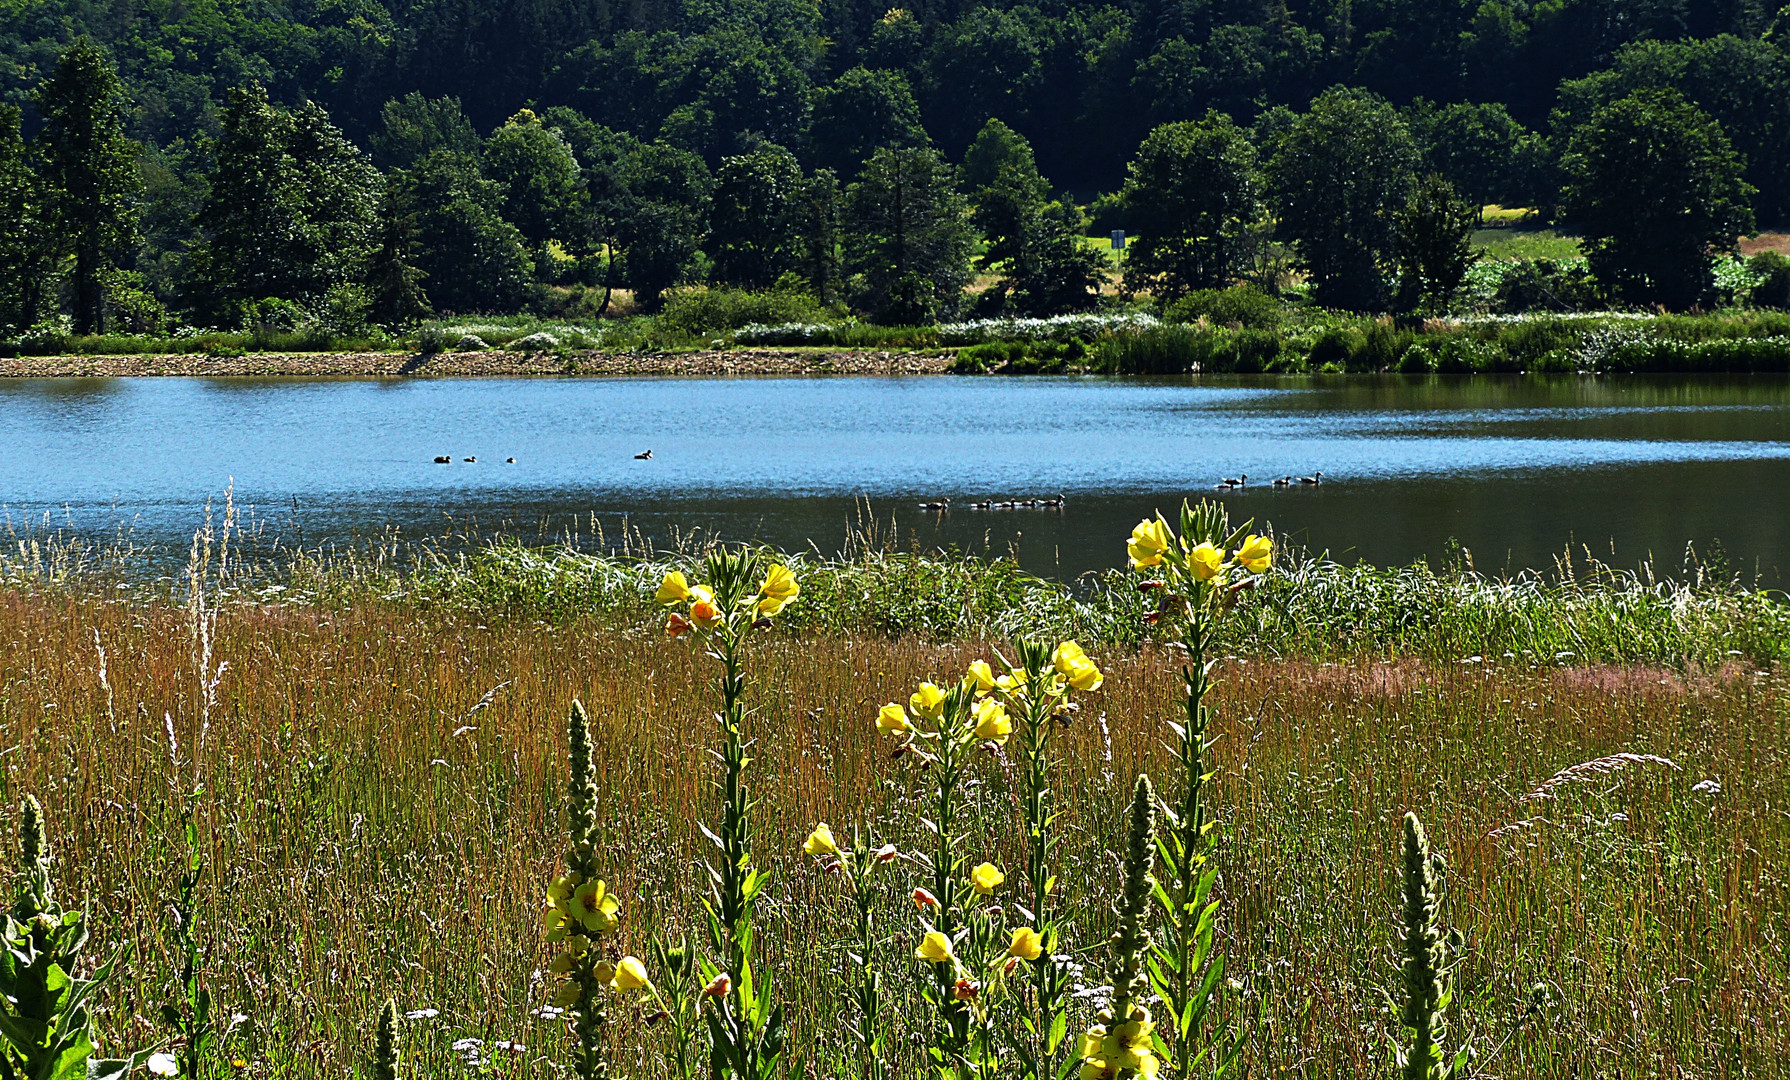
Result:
pixel 1772 271
pixel 1244 306
pixel 702 311
pixel 1021 357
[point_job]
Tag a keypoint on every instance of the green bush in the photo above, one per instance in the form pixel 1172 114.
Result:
pixel 1773 291
pixel 703 311
pixel 1244 306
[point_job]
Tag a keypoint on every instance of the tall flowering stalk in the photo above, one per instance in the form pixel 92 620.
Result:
pixel 1036 692
pixel 746 1029
pixel 968 949
pixel 1426 963
pixel 1121 1044
pixel 46 1009
pixel 857 864
pixel 581 913
pixel 1198 576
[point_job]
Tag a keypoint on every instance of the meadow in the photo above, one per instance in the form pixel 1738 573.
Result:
pixel 375 779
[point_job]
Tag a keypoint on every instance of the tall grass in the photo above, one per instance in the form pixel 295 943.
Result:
pixel 383 799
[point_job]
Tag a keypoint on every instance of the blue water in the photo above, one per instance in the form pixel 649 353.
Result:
pixel 1514 469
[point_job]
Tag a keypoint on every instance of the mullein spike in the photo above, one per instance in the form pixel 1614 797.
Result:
pixel 1425 956
pixel 387 1050
pixel 1133 937
pixel 34 844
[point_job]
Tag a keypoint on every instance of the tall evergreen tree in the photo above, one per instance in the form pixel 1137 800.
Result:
pixel 89 172
pixel 1033 242
pixel 816 224
pixel 292 208
pixel 393 279
pixel 907 237
pixel 24 252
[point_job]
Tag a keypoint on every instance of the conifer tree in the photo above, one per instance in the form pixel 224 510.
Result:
pixel 89 172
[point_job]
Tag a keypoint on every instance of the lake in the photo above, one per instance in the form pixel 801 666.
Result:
pixel 1514 468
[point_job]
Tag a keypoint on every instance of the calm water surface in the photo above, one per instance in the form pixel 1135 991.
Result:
pixel 1514 469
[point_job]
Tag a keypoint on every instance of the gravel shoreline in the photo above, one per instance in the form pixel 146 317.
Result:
pixel 494 362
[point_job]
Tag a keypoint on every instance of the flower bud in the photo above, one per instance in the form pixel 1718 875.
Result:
pixel 720 986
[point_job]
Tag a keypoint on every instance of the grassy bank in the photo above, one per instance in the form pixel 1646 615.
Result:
pixel 1234 330
pixel 1578 611
pixel 383 786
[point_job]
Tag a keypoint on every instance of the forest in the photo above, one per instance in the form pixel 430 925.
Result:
pixel 226 163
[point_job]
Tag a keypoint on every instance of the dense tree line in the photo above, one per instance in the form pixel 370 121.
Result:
pixel 237 162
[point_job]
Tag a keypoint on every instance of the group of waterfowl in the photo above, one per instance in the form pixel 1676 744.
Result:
pixel 443 459
pixel 1241 480
pixel 1001 504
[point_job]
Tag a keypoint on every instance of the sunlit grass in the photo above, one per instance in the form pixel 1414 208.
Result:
pixel 374 830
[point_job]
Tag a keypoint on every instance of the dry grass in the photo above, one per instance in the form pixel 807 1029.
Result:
pixel 373 832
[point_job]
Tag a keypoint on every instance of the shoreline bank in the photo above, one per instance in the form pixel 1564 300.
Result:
pixel 709 363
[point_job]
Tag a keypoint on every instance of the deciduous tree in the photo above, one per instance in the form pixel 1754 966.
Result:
pixel 1655 189
pixel 1191 194
pixel 907 237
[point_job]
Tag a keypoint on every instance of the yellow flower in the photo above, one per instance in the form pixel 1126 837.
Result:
pixel 1256 553
pixel 992 722
pixel 986 878
pixel 1133 1033
pixel 674 589
pixel 604 972
pixel 1088 1046
pixel 576 946
pixel 1074 665
pixel 928 701
pixel 982 675
pixel 935 947
pixel 779 589
pixel 1148 541
pixel 630 974
pixel 556 921
pixel 1012 682
pixel 891 719
pixel 705 614
pixel 560 888
pixel 1026 944
pixel 1205 561
pixel 594 907
pixel 820 841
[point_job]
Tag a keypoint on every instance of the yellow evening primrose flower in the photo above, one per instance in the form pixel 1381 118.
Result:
pixel 630 974
pixel 1011 683
pixel 992 721
pixel 705 614
pixel 595 907
pixel 892 719
pixel 820 841
pixel 986 878
pixel 1205 561
pixel 982 675
pixel 1026 944
pixel 934 948
pixel 674 589
pixel 928 701
pixel 1148 541
pixel 1256 553
pixel 1075 667
pixel 779 589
